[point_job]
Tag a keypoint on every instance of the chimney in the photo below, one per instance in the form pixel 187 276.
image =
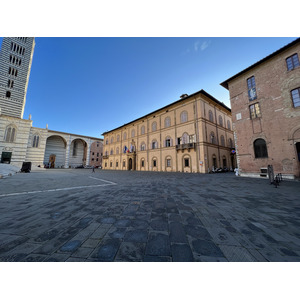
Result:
pixel 183 96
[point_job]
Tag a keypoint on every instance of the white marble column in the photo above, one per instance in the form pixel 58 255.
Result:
pixel 67 153
pixel 87 162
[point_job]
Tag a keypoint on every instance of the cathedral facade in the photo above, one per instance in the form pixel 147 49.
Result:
pixel 19 140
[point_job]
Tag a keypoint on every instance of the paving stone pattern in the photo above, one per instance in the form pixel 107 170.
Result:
pixel 147 217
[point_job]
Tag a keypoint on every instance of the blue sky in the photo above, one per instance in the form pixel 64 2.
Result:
pixel 90 85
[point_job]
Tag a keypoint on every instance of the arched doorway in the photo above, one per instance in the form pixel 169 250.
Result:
pixel 130 164
pixel 55 145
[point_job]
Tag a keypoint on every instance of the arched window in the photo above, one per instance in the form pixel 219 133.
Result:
pixel 125 136
pixel 222 140
pixel 220 121
pixel 118 138
pixel 213 138
pixel 111 151
pixel 230 143
pixel 106 142
pixel 154 126
pixel 185 138
pixel 210 116
pixel 260 148
pixel 35 142
pixel 167 122
pixel 10 134
pixel 183 117
pixel 168 142
pixel 143 146
pixel 132 133
pixel 117 150
pixel 143 129
pixel 154 144
pixel 228 125
pixel 168 161
pixel 106 153
pixel 75 148
pixel 112 140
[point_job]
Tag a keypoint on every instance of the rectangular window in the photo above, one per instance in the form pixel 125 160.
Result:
pixel 117 164
pixel 254 111
pixel 154 163
pixel 168 162
pixel 292 62
pixel 98 154
pixel 251 88
pixel 124 164
pixel 296 97
pixel 168 143
pixel 186 162
pixel 143 163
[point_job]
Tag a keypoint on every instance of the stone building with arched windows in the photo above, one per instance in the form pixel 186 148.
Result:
pixel 193 134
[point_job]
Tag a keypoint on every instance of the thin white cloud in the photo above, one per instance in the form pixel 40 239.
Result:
pixel 198 45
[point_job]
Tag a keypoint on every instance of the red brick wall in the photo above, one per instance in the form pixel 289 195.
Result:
pixel 279 119
pixel 96 154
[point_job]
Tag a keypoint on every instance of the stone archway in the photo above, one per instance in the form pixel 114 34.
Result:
pixel 55 145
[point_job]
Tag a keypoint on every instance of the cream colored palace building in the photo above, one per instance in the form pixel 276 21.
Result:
pixel 193 134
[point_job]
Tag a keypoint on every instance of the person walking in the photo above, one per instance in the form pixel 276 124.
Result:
pixel 93 169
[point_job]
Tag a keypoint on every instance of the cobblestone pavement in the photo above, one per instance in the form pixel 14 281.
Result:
pixel 77 215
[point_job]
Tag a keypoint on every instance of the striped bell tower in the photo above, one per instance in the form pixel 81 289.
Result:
pixel 15 64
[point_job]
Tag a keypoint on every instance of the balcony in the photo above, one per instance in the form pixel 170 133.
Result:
pixel 105 156
pixel 187 146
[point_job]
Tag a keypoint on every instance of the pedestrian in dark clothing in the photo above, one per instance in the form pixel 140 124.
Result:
pixel 93 169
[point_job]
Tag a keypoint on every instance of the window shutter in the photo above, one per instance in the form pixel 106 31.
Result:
pixel 171 142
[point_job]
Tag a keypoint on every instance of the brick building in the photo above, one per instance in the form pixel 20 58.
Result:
pixel 265 104
pixel 193 134
pixel 96 154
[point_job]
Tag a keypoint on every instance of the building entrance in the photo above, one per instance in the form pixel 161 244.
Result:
pixel 6 157
pixel 52 161
pixel 132 162
pixel 298 150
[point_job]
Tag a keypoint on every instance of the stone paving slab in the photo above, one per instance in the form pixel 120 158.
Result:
pixel 147 217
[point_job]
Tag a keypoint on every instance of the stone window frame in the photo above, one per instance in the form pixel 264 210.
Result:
pixel 143 146
pixel 10 133
pixel 228 125
pixel 255 111
pixel 260 148
pixel 213 138
pixel 35 140
pixel 154 162
pixel 222 139
pixel 143 129
pixel 251 84
pixel 292 62
pixel 220 120
pixel 167 122
pixel 154 126
pixel 168 142
pixel 183 116
pixel 132 133
pixel 210 116
pixel 295 95
pixel 168 161
pixel 154 144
